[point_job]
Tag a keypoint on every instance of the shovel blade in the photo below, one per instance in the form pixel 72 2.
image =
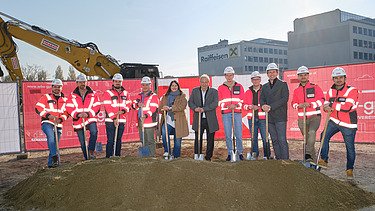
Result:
pixel 198 156
pixel 234 157
pixel 249 156
pixel 144 151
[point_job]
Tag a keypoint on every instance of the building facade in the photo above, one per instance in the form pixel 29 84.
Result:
pixel 331 38
pixel 245 56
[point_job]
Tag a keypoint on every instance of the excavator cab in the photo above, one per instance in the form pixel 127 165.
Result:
pixel 136 70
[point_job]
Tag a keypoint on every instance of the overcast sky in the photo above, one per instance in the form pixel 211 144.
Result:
pixel 164 32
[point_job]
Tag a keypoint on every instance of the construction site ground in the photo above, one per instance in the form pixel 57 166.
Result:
pixel 132 183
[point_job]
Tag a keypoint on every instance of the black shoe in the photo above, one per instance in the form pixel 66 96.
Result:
pixel 206 158
pixel 55 162
pixel 241 157
pixel 307 157
pixel 228 158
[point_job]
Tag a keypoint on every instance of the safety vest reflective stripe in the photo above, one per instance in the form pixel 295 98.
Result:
pixel 343 123
pixel 310 113
pixel 153 124
pixel 52 123
pixel 225 100
pixel 88 121
pixel 111 120
pixel 316 104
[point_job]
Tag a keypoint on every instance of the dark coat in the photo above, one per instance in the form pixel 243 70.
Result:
pixel 277 98
pixel 211 103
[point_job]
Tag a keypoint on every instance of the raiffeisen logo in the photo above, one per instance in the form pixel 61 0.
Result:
pixel 212 57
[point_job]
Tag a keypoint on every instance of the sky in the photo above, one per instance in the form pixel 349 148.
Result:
pixel 163 32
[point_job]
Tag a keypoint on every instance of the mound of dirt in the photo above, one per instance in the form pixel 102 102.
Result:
pixel 145 184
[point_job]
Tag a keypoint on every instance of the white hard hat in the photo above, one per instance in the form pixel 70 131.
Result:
pixel 146 80
pixel 272 66
pixel 255 74
pixel 81 78
pixel 118 77
pixel 229 70
pixel 57 82
pixel 302 70
pixel 338 71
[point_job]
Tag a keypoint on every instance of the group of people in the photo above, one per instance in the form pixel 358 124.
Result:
pixel 265 107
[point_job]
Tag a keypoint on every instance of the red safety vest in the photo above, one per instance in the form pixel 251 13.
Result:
pixel 49 105
pixel 345 103
pixel 89 105
pixel 230 96
pixel 310 93
pixel 115 101
pixel 248 101
pixel 151 104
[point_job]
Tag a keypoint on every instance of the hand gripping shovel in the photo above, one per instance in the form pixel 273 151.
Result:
pixel 169 157
pixel 143 151
pixel 234 154
pixel 56 158
pixel 84 138
pixel 250 155
pixel 199 156
pixel 322 141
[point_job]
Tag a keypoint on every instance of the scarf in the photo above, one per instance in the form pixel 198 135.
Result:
pixel 170 100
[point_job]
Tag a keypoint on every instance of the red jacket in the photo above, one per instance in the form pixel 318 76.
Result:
pixel 248 101
pixel 310 93
pixel 150 108
pixel 115 101
pixel 89 105
pixel 227 97
pixel 50 104
pixel 345 103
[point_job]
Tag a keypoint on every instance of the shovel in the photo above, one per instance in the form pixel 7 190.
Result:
pixel 143 151
pixel 199 156
pixel 56 158
pixel 250 155
pixel 268 147
pixel 306 164
pixel 169 157
pixel 84 138
pixel 234 154
pixel 322 140
pixel 115 139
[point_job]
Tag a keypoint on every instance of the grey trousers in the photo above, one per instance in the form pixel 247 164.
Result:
pixel 149 139
pixel 312 125
pixel 277 131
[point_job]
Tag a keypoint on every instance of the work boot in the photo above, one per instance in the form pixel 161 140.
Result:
pixel 349 174
pixel 55 161
pixel 241 157
pixel 92 155
pixel 228 158
pixel 165 154
pixel 308 158
pixel 322 163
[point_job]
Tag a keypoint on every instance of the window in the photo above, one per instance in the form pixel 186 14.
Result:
pixel 265 50
pixel 360 55
pixel 245 49
pixel 251 68
pixel 271 60
pixel 275 51
pixel 261 69
pixel 280 61
pixel 365 43
pixel 255 50
pixel 285 52
pixel 355 55
pixel 260 59
pixel 266 59
pixel 275 60
pixel 370 56
pixel 365 56
pixel 359 30
pixel 250 49
pixel 364 31
pixel 255 59
pixel 245 68
pixel 369 44
pixel 370 32
pixel 360 43
pixel 285 61
pixel 354 29
pixel 250 58
pixel 280 51
pixel 260 50
pixel 256 68
pixel 270 50
pixel 355 42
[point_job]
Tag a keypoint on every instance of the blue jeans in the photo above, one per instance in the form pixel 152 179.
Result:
pixel 177 141
pixel 111 129
pixel 348 135
pixel 227 122
pixel 92 141
pixel 259 124
pixel 277 131
pixel 49 130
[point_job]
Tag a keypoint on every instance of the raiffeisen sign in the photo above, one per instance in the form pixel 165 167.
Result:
pixel 219 54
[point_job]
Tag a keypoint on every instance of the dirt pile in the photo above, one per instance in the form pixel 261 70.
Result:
pixel 185 184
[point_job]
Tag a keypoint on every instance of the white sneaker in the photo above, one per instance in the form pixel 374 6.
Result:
pixel 165 154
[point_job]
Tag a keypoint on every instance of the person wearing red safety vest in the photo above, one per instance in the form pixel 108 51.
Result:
pixel 309 96
pixel 252 102
pixel 231 95
pixel 342 102
pixel 147 104
pixel 51 109
pixel 83 106
pixel 117 105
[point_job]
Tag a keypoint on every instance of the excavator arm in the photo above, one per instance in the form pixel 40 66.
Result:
pixel 86 58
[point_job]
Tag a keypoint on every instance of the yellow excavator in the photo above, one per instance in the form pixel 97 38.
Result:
pixel 86 58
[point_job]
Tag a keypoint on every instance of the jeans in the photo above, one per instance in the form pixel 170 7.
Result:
pixel 259 124
pixel 348 135
pixel 277 131
pixel 149 138
pixel 49 130
pixel 227 122
pixel 111 129
pixel 312 125
pixel 92 141
pixel 177 141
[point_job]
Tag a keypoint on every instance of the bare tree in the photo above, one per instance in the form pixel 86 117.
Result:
pixel 59 73
pixel 7 78
pixel 72 73
pixel 30 72
pixel 42 75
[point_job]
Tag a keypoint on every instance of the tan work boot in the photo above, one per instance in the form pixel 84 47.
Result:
pixel 322 163
pixel 349 174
